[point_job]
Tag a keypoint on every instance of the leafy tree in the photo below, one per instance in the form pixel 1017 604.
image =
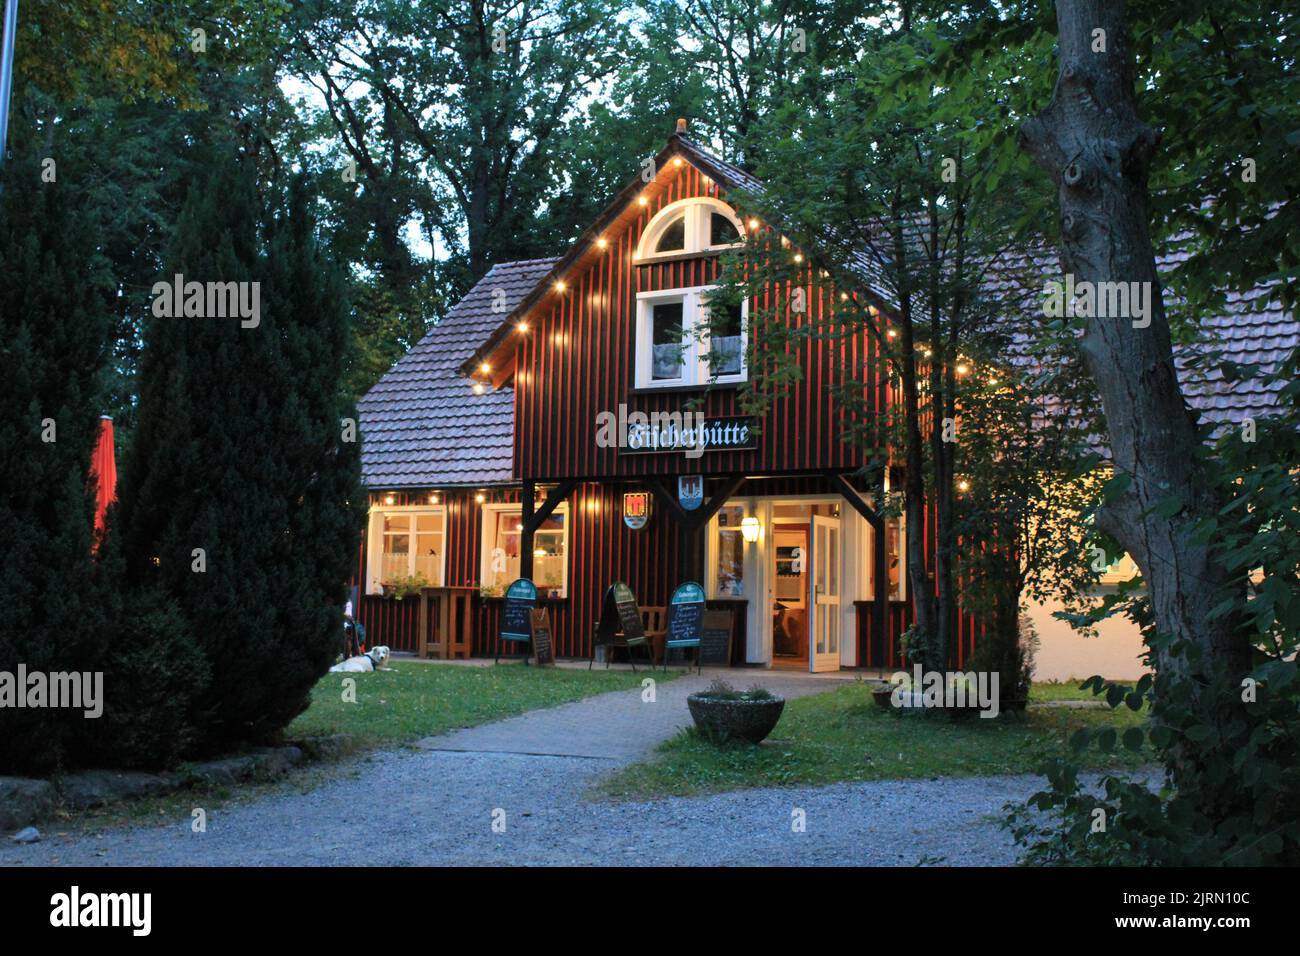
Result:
pixel 1207 527
pixel 240 500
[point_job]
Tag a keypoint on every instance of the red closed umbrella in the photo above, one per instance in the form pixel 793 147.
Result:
pixel 103 469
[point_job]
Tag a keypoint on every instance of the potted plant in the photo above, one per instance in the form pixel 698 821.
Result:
pixel 722 713
pixel 404 587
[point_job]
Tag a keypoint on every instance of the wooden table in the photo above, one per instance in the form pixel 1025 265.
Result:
pixel 452 620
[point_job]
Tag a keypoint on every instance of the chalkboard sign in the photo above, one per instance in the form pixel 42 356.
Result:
pixel 686 616
pixel 521 598
pixel 715 639
pixel 539 622
pixel 619 612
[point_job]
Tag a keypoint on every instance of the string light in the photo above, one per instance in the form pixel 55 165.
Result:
pixel 522 326
pixel 559 286
pixel 485 368
pixel 963 485
pixel 433 499
pixel 389 499
pixel 480 497
pixel 642 200
pixel 963 369
pixel 892 334
pixel 753 223
pixel 798 257
pixel 478 388
pixel 602 242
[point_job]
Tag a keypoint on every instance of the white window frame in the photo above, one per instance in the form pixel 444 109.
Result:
pixel 375 543
pixel 491 519
pixel 695 349
pixel 698 211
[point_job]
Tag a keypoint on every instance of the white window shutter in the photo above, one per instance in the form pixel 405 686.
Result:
pixel 374 552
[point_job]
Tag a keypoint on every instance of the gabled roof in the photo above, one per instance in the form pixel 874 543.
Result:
pixel 421 426
pixel 617 215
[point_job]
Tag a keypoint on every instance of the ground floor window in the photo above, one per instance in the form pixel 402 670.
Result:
pixel 503 531
pixel 895 542
pixel 406 546
pixel 729 568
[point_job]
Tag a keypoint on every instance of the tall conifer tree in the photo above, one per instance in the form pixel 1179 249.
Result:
pixel 53 347
pixel 241 500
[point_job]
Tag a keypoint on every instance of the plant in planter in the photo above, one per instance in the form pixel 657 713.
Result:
pixel 722 713
pixel 406 586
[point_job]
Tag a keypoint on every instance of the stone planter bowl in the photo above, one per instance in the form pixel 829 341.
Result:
pixel 720 720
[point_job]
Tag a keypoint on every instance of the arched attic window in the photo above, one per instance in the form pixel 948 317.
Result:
pixel 690 226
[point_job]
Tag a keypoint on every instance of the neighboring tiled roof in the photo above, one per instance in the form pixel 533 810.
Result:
pixel 421 426
pixel 1249 332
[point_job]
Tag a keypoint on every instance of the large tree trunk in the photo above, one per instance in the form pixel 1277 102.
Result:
pixel 1098 151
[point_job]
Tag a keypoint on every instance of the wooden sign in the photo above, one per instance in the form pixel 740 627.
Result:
pixel 619 612
pixel 521 598
pixel 539 622
pixel 715 639
pixel 636 509
pixel 686 616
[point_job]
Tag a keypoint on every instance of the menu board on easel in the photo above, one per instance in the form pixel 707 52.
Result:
pixel 686 616
pixel 539 622
pixel 521 598
pixel 619 612
pixel 715 639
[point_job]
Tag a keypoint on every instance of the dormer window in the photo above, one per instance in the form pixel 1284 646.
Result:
pixel 690 226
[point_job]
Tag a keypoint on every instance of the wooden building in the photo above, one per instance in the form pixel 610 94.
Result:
pixel 545 416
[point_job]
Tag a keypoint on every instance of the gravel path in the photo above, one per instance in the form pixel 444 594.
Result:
pixel 436 805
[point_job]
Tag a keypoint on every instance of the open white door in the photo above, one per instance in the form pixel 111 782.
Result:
pixel 825 602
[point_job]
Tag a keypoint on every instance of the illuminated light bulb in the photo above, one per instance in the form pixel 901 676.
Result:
pixel 519 526
pixel 993 381
pixel 798 257
pixel 892 334
pixel 389 499
pixel 928 353
pixel 677 160
pixel 963 485
pixel 753 224
pixel 601 242
pixel 559 287
pixel 485 368
pixel 963 369
pixel 522 326
pixel 642 200
pixel 478 388
pixel 480 497
pixel 844 297
pixel 433 499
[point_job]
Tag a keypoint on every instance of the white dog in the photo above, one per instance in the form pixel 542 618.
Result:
pixel 371 660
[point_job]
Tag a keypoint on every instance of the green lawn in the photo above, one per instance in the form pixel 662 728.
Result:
pixel 843 736
pixel 414 700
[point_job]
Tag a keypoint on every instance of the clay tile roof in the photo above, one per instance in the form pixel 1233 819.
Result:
pixel 421 425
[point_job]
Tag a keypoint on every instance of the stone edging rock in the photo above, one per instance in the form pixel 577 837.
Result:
pixel 24 800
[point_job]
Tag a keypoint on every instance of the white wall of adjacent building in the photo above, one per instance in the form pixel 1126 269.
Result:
pixel 1115 652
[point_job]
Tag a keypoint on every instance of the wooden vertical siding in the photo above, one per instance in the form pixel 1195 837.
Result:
pixel 885 651
pixel 579 360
